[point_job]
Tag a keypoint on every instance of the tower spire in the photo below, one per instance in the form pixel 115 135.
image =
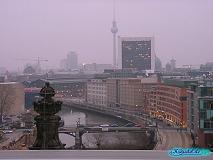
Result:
pixel 113 10
pixel 114 30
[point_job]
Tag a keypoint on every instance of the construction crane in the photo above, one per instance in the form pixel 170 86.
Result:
pixel 38 60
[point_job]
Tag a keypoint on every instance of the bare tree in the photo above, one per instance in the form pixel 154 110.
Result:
pixel 98 140
pixel 6 99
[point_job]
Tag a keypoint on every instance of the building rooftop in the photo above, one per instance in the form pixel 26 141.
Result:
pixel 5 83
pixel 180 82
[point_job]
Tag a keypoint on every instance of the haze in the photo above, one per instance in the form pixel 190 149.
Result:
pixel 49 29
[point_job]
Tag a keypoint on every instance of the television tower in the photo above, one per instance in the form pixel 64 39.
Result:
pixel 114 30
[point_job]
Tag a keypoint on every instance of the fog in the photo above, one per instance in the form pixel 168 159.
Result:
pixel 49 29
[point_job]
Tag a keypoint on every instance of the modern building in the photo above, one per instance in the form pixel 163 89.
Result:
pixel 97 92
pixel 205 102
pixel 193 109
pixel 200 113
pixel 136 53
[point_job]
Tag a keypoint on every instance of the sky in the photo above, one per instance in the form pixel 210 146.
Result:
pixel 49 29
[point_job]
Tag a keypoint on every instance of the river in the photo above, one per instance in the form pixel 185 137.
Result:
pixel 107 140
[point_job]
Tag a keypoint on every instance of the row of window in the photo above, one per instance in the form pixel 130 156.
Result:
pixel 96 92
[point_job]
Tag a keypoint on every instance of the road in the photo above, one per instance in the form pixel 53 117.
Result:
pixel 173 138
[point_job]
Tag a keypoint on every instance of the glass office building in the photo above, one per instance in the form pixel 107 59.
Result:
pixel 205 101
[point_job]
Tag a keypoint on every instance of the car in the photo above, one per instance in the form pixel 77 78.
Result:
pixel 7 131
pixel 27 131
pixel 151 125
pixel 114 125
pixel 129 125
pixel 104 125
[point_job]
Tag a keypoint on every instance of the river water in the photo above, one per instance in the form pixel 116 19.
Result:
pixel 71 116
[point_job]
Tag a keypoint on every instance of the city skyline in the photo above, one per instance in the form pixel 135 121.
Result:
pixel 50 29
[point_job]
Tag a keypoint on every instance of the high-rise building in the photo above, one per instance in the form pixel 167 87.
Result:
pixel 72 61
pixel 158 64
pixel 136 53
pixel 173 64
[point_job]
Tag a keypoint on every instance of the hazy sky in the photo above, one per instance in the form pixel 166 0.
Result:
pixel 183 29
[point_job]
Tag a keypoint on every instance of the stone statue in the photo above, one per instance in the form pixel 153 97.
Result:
pixel 47 122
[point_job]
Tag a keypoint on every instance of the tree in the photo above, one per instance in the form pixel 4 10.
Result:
pixel 6 99
pixel 98 140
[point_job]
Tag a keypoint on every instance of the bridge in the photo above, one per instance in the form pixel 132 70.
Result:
pixel 78 132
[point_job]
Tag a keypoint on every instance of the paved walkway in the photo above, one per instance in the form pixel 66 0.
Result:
pixel 168 139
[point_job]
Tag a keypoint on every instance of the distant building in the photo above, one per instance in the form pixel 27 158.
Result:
pixel 63 64
pixel 158 64
pixel 69 88
pixel 122 73
pixel 96 68
pixel 2 70
pixel 31 95
pixel 64 87
pixel 207 67
pixel 173 64
pixel 136 53
pixel 97 92
pixel 168 67
pixel 72 61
